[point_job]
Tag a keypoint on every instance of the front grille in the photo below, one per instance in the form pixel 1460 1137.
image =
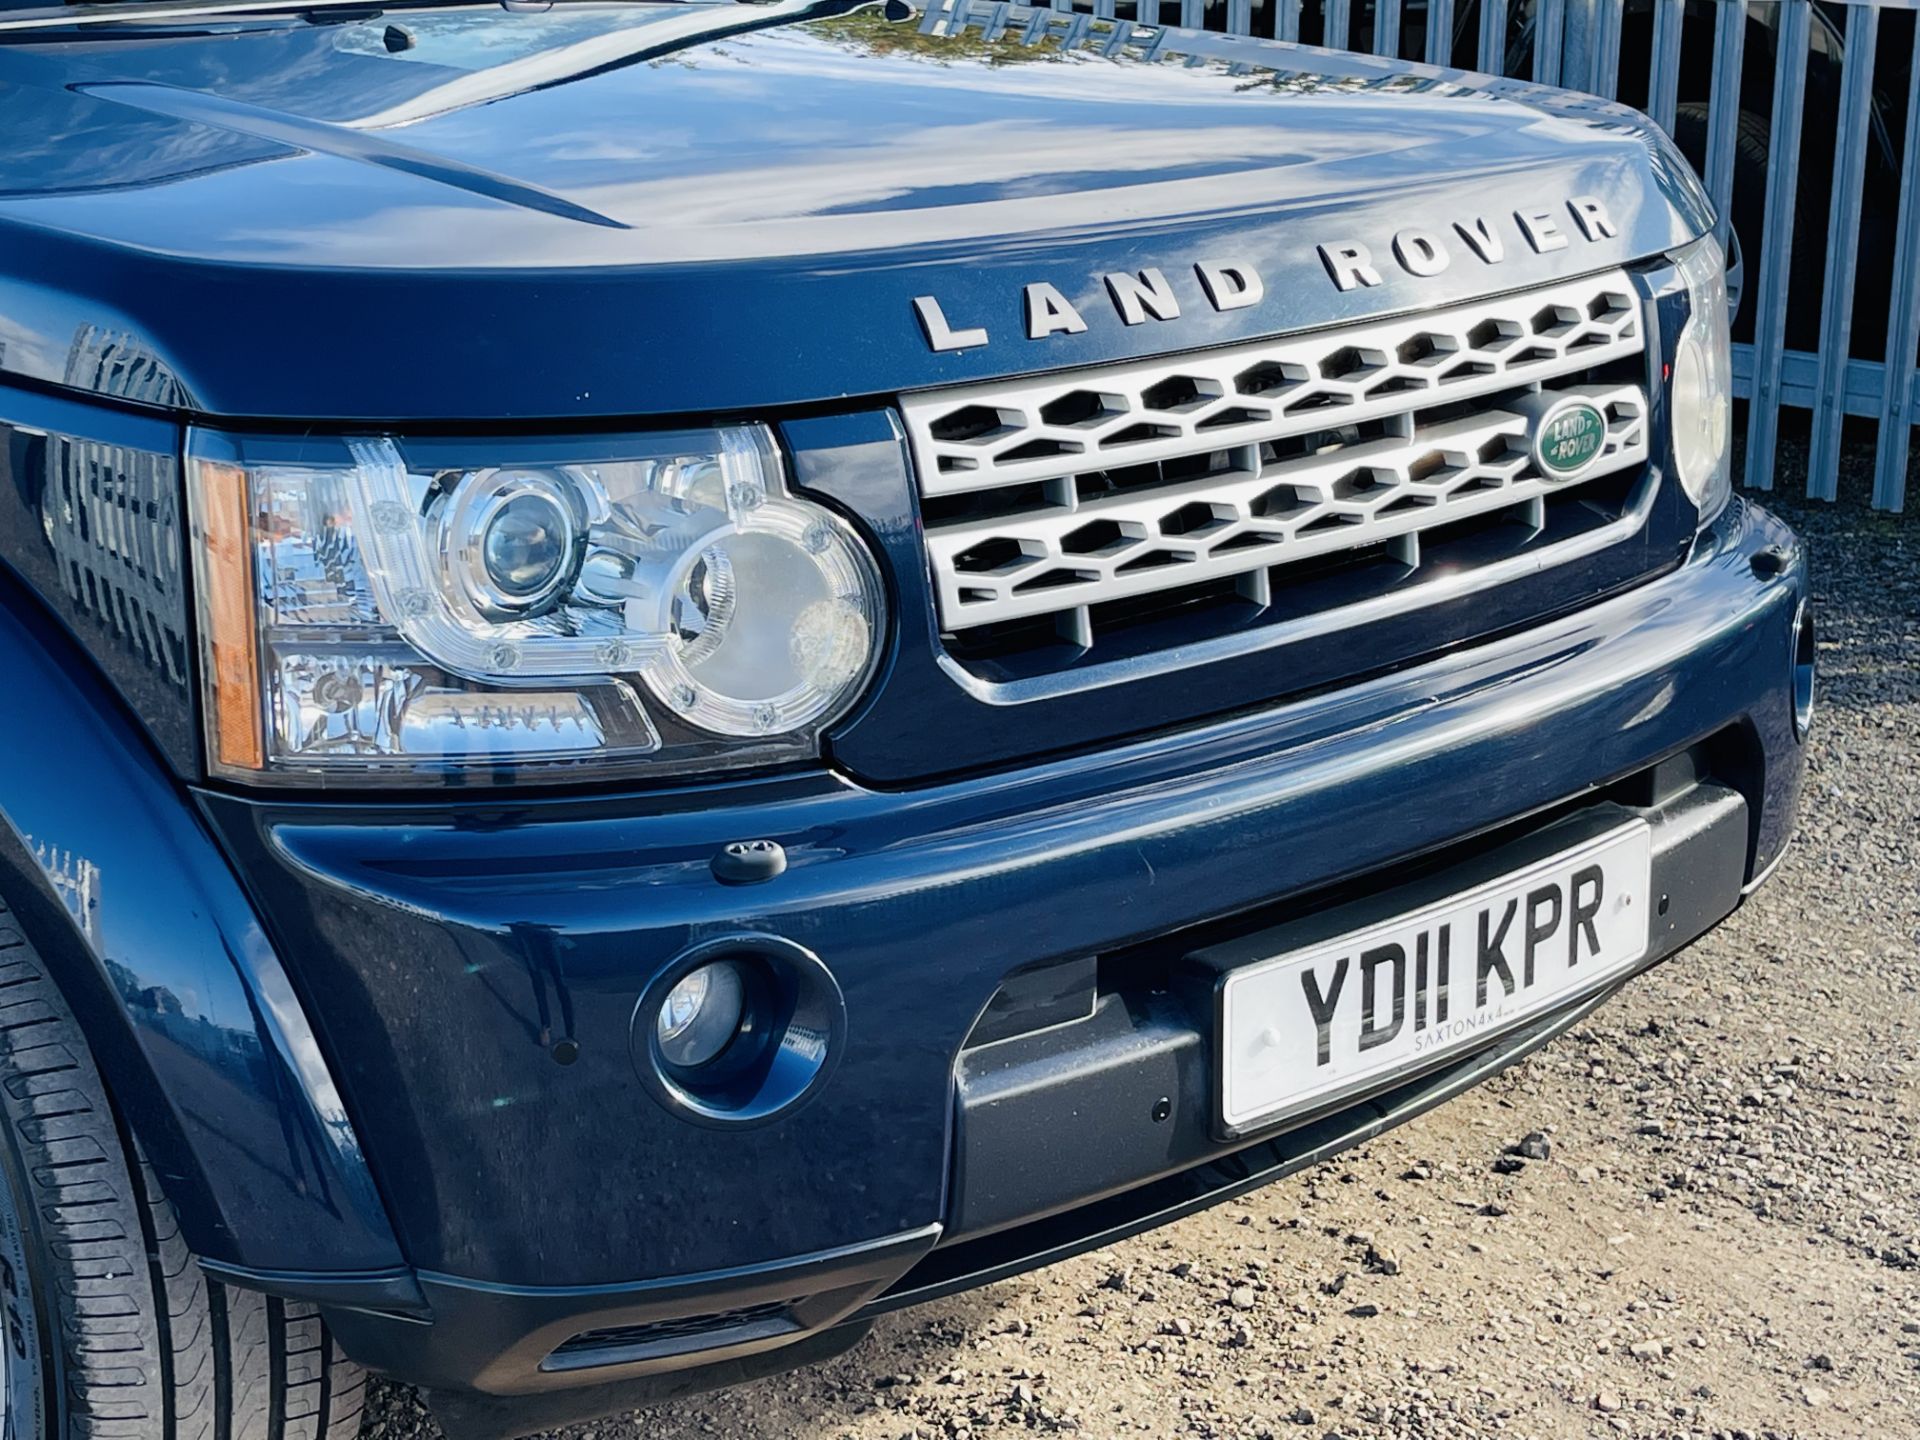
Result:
pixel 1064 511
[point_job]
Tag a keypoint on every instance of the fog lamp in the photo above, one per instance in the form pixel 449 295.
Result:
pixel 738 1030
pixel 701 1014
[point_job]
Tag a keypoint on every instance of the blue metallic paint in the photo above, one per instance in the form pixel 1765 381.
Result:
pixel 403 922
pixel 722 212
pixel 93 522
pixel 284 216
pixel 189 1012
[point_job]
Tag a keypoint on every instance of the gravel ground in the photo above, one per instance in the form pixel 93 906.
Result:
pixel 1718 1235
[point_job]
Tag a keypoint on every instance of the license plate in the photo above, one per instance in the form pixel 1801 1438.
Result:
pixel 1304 1029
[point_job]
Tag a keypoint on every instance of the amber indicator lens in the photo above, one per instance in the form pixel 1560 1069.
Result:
pixel 227 611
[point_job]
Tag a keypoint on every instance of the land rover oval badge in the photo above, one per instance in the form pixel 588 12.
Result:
pixel 1567 438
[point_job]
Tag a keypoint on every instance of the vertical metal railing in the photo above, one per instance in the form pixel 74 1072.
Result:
pixel 1770 293
pixel 1491 52
pixel 1760 71
pixel 1903 322
pixel 1774 373
pixel 1853 135
pixel 1723 120
pixel 1549 33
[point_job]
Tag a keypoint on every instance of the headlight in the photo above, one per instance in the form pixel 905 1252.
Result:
pixel 1703 382
pixel 378 613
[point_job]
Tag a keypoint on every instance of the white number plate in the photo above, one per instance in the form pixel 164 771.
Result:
pixel 1304 1029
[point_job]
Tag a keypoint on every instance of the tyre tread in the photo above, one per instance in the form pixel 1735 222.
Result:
pixel 150 1348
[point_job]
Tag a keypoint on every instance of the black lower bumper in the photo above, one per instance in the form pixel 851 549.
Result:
pixel 1119 1105
pixel 1015 1215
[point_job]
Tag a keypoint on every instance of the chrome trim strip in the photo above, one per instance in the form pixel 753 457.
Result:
pixel 1772 865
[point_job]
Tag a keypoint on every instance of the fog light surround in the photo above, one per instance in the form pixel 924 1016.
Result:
pixel 738 1030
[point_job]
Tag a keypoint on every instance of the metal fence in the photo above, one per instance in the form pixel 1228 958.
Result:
pixel 1814 366
pixel 1831 381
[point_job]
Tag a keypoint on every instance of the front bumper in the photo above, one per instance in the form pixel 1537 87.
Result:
pixel 441 954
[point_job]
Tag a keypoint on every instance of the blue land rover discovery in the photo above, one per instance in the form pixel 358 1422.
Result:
pixel 678 673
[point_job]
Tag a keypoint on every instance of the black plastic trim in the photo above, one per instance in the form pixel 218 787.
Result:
pixel 502 1339
pixel 389 1292
pixel 472 1415
pixel 1126 1098
pixel 982 1261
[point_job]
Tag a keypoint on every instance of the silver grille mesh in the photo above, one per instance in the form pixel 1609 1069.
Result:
pixel 1237 462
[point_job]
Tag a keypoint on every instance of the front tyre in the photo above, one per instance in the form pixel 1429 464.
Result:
pixel 112 1331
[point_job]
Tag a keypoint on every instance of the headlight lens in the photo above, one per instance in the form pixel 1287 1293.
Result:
pixel 1703 382
pixel 513 539
pixel 374 613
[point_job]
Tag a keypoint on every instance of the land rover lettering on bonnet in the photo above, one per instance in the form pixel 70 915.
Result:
pixel 627 753
pixel 1141 295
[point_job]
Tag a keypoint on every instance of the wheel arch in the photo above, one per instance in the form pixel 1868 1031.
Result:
pixel 189 1014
